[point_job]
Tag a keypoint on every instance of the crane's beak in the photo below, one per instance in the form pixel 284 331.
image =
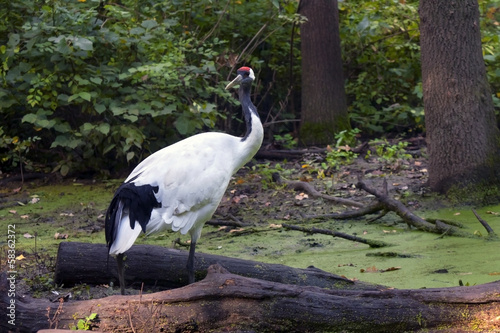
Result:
pixel 235 82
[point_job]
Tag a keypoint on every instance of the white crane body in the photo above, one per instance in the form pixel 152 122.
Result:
pixel 179 187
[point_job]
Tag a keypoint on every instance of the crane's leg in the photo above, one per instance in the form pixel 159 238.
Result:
pixel 190 263
pixel 121 279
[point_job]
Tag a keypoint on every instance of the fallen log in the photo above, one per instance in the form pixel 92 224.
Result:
pixel 228 302
pixel 78 263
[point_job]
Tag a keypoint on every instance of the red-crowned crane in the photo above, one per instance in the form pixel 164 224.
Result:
pixel 180 186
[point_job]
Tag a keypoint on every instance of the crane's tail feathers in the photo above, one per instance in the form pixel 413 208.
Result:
pixel 130 203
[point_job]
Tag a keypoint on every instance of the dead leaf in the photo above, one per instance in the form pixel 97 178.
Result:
pixel 16 190
pixel 418 163
pixel 20 257
pixel 13 211
pixel 60 236
pixel 494 273
pixel 28 235
pixel 24 216
pixel 372 269
pixel 34 200
pixel 236 230
pixel 301 196
pixel 66 214
pixel 272 225
pixel 349 264
pixel 457 213
pixel 492 213
pixel 238 198
pixel 346 148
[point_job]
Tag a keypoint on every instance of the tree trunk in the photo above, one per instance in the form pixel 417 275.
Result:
pixel 159 266
pixel 462 136
pixel 225 302
pixel 324 106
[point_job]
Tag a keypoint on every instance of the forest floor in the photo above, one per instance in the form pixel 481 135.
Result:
pixel 47 211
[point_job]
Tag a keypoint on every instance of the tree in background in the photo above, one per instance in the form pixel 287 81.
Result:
pixel 462 135
pixel 324 106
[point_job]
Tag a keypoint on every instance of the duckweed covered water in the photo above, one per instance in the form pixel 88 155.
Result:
pixel 425 260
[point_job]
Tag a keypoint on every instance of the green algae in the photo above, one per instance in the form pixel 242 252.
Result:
pixel 424 260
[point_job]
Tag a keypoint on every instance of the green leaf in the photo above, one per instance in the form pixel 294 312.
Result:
pixel 62 127
pixel 63 48
pixel 64 172
pixel 96 80
pixel 66 142
pixel 83 43
pixel 29 118
pixel 87 127
pixel 72 97
pixel 149 24
pixel 108 148
pixel 130 155
pixel 131 117
pixel 85 95
pixel 117 110
pixel 91 317
pixel 104 128
pixel 137 31
pixel 100 108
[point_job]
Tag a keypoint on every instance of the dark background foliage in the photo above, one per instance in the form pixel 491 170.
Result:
pixel 95 86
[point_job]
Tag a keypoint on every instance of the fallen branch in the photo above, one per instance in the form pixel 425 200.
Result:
pixel 306 187
pixel 408 217
pixel 484 223
pixel 370 209
pixel 371 243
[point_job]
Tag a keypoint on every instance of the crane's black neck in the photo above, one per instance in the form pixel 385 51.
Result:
pixel 249 110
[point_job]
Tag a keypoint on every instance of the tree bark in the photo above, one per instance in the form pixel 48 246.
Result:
pixel 225 302
pixel 324 105
pixel 462 136
pixel 158 266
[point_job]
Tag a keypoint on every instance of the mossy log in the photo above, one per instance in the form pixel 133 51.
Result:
pixel 224 302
